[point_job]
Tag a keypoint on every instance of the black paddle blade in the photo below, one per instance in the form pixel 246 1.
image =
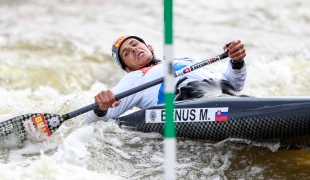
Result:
pixel 31 125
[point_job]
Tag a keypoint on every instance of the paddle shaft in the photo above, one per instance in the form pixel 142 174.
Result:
pixel 147 85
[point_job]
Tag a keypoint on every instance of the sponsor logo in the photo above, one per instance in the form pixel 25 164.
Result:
pixel 6 128
pixel 41 125
pixel 188 115
pixel 54 122
pixel 119 41
pixel 199 65
pixel 212 60
pixel 204 63
pixel 153 116
pixel 29 127
pixel 186 70
pixel 28 124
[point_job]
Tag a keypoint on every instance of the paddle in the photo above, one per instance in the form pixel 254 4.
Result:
pixel 49 123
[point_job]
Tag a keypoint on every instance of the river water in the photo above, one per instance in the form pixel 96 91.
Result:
pixel 56 55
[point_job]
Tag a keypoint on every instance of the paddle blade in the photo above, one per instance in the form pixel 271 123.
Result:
pixel 31 125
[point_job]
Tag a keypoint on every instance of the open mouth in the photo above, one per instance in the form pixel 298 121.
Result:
pixel 140 54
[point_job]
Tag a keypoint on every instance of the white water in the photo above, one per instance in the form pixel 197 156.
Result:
pixel 55 56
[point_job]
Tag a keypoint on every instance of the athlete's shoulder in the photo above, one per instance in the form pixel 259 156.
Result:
pixel 130 79
pixel 131 76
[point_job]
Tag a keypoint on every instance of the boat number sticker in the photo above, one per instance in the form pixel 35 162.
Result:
pixel 219 114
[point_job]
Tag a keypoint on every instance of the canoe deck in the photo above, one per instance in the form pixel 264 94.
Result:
pixel 275 119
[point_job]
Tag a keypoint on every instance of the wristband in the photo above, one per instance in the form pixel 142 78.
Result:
pixel 100 113
pixel 237 64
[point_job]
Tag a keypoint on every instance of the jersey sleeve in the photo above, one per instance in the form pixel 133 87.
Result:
pixel 236 77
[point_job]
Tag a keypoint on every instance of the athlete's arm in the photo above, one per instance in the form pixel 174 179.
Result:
pixel 110 109
pixel 236 71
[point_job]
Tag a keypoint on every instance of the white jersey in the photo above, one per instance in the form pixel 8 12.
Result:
pixel 154 95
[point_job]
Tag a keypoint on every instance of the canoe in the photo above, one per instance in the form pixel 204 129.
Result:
pixel 285 120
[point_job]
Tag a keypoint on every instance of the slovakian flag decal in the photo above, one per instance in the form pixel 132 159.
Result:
pixel 221 116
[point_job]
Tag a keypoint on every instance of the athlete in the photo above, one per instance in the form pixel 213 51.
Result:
pixel 137 58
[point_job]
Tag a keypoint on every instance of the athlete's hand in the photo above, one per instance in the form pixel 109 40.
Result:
pixel 235 50
pixel 106 99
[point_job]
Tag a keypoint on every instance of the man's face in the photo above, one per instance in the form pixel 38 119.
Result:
pixel 135 54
